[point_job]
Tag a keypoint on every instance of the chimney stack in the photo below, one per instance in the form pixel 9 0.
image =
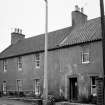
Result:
pixel 78 16
pixel 16 36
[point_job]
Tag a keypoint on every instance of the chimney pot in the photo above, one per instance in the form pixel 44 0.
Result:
pixel 15 30
pixel 82 10
pixel 77 8
pixel 18 30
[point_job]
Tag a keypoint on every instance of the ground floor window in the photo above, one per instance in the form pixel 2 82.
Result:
pixel 4 87
pixel 37 86
pixel 93 85
pixel 19 85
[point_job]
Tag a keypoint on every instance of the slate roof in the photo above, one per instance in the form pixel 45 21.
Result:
pixel 90 31
pixel 35 44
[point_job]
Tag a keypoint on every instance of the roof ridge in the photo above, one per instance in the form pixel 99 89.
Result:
pixel 78 29
pixel 48 32
pixel 36 43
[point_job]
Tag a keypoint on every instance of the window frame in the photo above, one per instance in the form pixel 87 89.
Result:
pixel 20 63
pixel 5 65
pixel 37 86
pixel 19 88
pixel 85 55
pixel 4 84
pixel 37 60
pixel 93 86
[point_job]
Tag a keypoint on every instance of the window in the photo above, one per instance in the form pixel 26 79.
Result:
pixel 4 87
pixel 93 85
pixel 20 63
pixel 37 60
pixel 19 85
pixel 85 57
pixel 85 54
pixel 5 65
pixel 37 86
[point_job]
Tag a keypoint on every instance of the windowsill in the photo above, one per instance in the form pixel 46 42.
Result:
pixel 4 71
pixel 37 94
pixel 86 62
pixel 37 67
pixel 20 69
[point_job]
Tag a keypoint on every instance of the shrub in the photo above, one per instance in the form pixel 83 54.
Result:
pixel 16 93
pixel 84 99
pixel 50 100
pixel 11 93
pixel 93 99
pixel 21 94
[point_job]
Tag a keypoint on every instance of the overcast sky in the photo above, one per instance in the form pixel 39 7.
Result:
pixel 29 15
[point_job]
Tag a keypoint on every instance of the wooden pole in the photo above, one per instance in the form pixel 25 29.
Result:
pixel 103 44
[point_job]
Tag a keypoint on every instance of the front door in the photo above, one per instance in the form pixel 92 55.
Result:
pixel 73 88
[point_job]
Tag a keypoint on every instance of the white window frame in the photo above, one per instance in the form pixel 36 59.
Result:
pixel 4 87
pixel 37 61
pixel 93 85
pixel 87 57
pixel 20 63
pixel 5 65
pixel 19 87
pixel 37 86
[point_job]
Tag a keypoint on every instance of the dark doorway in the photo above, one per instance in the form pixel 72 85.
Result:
pixel 73 88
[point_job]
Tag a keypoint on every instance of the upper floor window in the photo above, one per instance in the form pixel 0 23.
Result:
pixel 85 54
pixel 37 60
pixel 85 57
pixel 19 63
pixel 5 65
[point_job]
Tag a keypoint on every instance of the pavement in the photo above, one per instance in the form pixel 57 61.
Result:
pixel 6 101
pixel 30 101
pixel 69 103
pixel 26 100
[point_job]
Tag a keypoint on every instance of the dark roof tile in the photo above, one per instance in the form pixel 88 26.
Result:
pixel 90 31
pixel 35 44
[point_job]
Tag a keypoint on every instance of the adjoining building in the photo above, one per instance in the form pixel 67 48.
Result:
pixel 74 60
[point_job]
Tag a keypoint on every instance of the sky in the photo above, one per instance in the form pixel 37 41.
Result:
pixel 29 15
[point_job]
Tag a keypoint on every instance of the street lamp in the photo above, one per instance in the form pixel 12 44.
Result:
pixel 45 90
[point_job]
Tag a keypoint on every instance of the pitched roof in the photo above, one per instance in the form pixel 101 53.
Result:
pixel 35 44
pixel 90 31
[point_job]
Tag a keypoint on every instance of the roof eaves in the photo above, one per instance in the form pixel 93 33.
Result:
pixel 80 43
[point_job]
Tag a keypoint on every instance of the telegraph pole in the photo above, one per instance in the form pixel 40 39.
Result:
pixel 45 90
pixel 103 44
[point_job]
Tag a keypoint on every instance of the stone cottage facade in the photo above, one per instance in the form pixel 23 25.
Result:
pixel 74 60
